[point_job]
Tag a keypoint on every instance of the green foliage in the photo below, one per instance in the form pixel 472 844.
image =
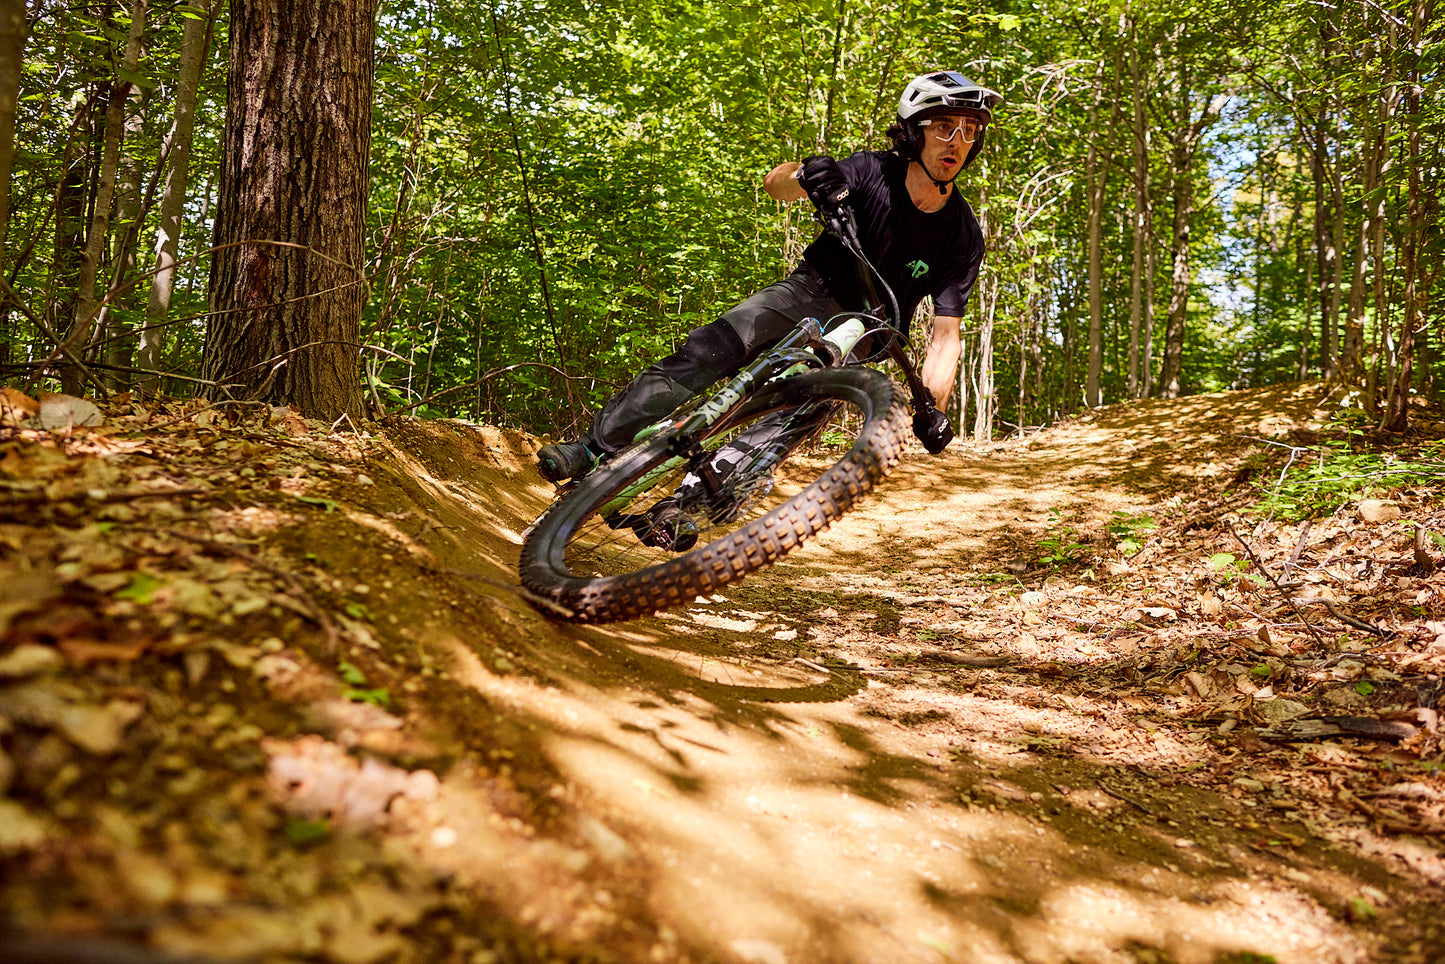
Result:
pixel 141 588
pixel 358 691
pixel 560 191
pixel 1130 531
pixel 1319 480
pixel 357 611
pixel 303 832
pixel 1061 546
pixel 1230 568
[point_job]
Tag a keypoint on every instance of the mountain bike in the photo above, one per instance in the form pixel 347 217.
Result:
pixel 736 479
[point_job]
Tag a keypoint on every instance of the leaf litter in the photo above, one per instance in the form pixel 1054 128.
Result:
pixel 265 693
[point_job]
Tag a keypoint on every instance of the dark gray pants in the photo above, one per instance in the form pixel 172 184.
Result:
pixel 711 352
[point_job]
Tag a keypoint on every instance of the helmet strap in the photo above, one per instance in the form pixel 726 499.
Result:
pixel 941 185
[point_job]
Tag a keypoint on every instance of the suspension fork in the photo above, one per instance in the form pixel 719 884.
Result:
pixel 831 349
pixel 805 348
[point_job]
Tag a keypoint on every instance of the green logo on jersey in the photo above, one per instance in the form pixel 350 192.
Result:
pixel 918 268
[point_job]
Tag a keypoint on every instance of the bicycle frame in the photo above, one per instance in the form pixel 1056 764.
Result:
pixel 805 348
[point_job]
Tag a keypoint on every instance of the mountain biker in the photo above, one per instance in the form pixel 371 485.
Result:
pixel 915 228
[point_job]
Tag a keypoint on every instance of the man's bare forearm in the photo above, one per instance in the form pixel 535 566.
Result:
pixel 782 182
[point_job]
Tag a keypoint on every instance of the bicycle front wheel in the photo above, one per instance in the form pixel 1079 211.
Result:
pixel 652 528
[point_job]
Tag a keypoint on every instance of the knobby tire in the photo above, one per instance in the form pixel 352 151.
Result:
pixel 676 580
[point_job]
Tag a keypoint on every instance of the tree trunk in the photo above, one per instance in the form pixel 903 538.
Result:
pixel 71 191
pixel 195 38
pixel 287 288
pixel 1324 246
pixel 72 379
pixel 1372 152
pixel 1324 171
pixel 12 45
pixel 983 392
pixel 1141 218
pixel 1186 143
pixel 1151 269
pixel 1094 180
pixel 1069 322
pixel 1182 177
pixel 1412 256
pixel 114 334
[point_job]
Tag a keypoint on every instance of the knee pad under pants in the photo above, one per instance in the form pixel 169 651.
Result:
pixel 708 353
pixel 767 316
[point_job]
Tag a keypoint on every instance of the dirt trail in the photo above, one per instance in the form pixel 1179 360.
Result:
pixel 906 743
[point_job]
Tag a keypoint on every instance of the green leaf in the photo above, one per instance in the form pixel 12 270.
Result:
pixel 326 504
pixel 1364 688
pixel 302 831
pixel 350 673
pixel 376 697
pixel 1222 560
pixel 141 588
pixel 357 611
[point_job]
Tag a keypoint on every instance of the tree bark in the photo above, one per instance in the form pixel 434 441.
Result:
pixel 287 284
pixel 1141 214
pixel 1146 322
pixel 114 334
pixel 72 379
pixel 1094 180
pixel 1186 143
pixel 1324 244
pixel 983 392
pixel 71 193
pixel 1372 152
pixel 12 45
pixel 1420 208
pixel 195 37
pixel 1170 376
pixel 1323 170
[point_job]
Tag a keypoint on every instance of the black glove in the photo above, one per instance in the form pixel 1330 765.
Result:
pixel 823 179
pixel 932 428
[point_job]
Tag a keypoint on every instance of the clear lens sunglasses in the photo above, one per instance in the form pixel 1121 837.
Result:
pixel 947 128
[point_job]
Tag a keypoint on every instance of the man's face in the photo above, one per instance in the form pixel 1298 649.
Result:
pixel 944 158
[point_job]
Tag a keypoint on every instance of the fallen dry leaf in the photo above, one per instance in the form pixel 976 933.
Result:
pixel 59 412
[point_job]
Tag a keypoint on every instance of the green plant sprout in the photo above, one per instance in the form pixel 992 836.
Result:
pixel 1130 531
pixel 1230 567
pixel 1060 547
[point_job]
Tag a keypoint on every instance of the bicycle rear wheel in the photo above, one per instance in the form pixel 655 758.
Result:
pixel 648 530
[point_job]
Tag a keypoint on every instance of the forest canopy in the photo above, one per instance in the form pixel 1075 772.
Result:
pixel 1178 197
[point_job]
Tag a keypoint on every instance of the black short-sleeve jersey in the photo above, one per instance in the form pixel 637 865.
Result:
pixel 918 254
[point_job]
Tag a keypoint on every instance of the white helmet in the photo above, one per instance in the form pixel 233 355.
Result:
pixel 945 91
pixel 941 92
